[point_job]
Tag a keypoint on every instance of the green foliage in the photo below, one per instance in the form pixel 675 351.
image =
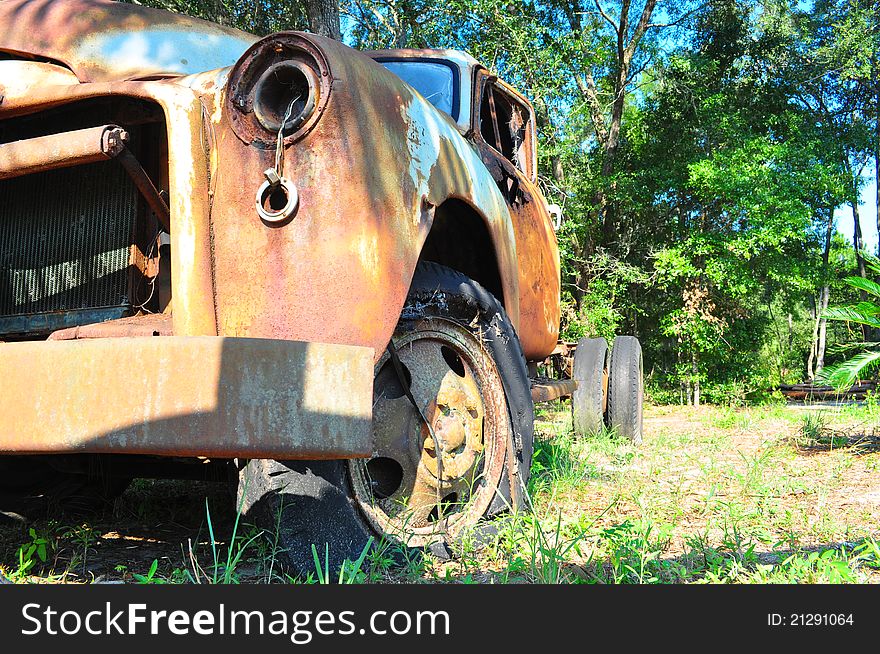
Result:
pixel 812 426
pixel 255 16
pixel 32 552
pixel 844 374
pixel 222 571
pixel 830 566
pixel 595 316
pixel 634 552
pixel 150 577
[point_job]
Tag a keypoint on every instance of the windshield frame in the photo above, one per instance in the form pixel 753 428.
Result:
pixel 456 77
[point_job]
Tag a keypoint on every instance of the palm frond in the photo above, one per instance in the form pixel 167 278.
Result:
pixel 843 375
pixel 863 284
pixel 868 308
pixel 844 348
pixel 871 261
pixel 851 314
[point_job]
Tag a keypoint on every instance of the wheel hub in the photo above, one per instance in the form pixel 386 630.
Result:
pixel 432 481
pixel 456 418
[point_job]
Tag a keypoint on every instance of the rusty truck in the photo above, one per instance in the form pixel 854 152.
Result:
pixel 326 275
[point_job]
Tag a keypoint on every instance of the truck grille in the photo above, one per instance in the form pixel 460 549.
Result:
pixel 65 238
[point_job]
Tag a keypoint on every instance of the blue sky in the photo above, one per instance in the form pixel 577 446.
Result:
pixel 867 218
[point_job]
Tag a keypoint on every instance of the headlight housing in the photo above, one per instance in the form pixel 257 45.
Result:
pixel 284 75
pixel 288 91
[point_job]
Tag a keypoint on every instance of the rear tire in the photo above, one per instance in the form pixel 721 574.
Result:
pixel 626 389
pixel 341 504
pixel 590 369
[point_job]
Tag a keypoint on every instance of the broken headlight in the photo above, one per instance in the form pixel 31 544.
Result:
pixel 280 83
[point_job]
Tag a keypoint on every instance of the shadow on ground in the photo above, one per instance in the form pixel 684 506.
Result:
pixel 153 520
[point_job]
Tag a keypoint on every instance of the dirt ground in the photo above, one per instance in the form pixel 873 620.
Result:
pixel 713 494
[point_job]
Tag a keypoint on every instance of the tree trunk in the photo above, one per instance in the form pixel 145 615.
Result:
pixel 682 391
pixel 825 294
pixel 324 18
pixel 823 324
pixel 695 371
pixel 858 243
pixel 817 345
pixel 859 247
pixel 814 341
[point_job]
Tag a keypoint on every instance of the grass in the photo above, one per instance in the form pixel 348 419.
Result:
pixel 769 494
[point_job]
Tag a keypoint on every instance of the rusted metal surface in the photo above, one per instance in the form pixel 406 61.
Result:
pixel 61 150
pixel 371 161
pixel 187 179
pixel 561 360
pixel 103 41
pixel 151 324
pixel 369 174
pixel 187 396
pixel 76 148
pixel 47 322
pixel 145 185
pixel 564 348
pixel 19 77
pixel 265 78
pixel 537 267
pixel 545 390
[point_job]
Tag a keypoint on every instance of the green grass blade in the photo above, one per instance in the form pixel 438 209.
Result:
pixel 349 570
pixel 213 540
pixel 318 569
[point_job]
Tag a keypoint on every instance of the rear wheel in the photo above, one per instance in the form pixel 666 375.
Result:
pixel 461 362
pixel 590 370
pixel 626 388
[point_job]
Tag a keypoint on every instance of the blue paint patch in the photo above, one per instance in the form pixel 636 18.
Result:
pixel 164 50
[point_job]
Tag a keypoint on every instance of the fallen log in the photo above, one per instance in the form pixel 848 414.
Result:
pixel 802 392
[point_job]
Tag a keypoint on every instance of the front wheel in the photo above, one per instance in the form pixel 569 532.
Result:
pixel 461 371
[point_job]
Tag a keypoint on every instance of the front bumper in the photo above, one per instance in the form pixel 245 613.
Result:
pixel 187 396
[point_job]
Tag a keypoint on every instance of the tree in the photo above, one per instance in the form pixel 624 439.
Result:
pixel 621 76
pixel 324 18
pixel 735 182
pixel 834 53
pixel 260 17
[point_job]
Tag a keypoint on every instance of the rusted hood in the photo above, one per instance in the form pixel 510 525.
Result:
pixel 103 41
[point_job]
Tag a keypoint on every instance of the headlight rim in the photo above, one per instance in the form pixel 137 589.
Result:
pixel 287 48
